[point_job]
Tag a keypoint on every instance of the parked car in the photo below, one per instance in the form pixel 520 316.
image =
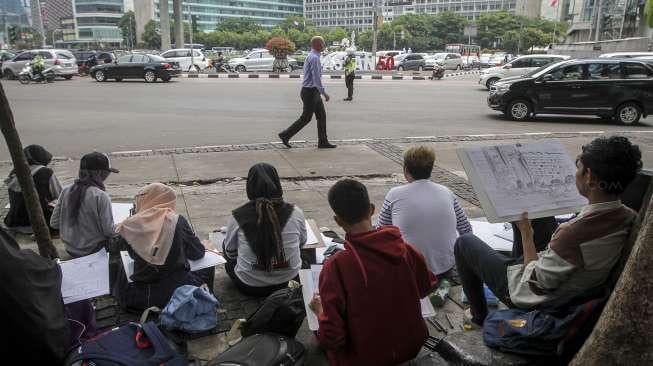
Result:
pixel 450 61
pixel 485 59
pixel 137 66
pixel 625 54
pixel 413 61
pixel 182 57
pixel 611 89
pixel 519 66
pixel 258 60
pixel 471 62
pixel 64 63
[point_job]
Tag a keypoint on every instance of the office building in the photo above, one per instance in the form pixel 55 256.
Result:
pixel 96 22
pixel 617 19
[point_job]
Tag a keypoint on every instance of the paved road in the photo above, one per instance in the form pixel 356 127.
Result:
pixel 73 117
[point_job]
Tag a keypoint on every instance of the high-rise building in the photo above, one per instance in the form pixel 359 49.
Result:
pixel 97 21
pixel 50 14
pixel 592 20
pixel 358 14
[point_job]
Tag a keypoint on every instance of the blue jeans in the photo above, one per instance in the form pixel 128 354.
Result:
pixel 477 264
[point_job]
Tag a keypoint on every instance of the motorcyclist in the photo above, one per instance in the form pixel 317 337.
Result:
pixel 218 63
pixel 38 65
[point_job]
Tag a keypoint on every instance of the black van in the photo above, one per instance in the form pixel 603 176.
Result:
pixel 612 89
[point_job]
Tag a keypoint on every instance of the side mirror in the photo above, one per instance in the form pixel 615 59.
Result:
pixel 547 77
pixel 507 66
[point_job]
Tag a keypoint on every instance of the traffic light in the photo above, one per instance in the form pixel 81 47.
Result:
pixel 13 33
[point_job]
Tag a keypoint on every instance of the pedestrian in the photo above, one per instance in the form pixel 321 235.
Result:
pixel 350 73
pixel 311 90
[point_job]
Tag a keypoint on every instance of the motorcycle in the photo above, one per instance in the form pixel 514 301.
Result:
pixel 27 75
pixel 438 71
pixel 219 66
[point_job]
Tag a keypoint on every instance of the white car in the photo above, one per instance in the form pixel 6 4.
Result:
pixel 450 61
pixel 186 63
pixel 626 54
pixel 257 60
pixel 63 62
pixel 519 66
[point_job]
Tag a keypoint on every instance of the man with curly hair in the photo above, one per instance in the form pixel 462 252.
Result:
pixel 582 251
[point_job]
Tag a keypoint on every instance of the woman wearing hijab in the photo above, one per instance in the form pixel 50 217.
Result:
pixel 264 236
pixel 160 241
pixel 83 212
pixel 46 183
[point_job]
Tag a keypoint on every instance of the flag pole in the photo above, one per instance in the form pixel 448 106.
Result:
pixel 555 24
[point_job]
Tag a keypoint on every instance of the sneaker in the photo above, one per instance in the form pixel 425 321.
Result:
pixel 468 322
pixel 284 140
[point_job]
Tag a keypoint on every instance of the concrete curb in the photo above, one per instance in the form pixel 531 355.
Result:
pixel 328 76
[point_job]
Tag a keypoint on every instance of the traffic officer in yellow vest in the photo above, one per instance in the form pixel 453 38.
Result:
pixel 350 69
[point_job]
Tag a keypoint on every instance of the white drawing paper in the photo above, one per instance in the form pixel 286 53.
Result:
pixel 538 178
pixel 120 211
pixel 210 259
pixel 314 238
pixel 493 235
pixel 85 277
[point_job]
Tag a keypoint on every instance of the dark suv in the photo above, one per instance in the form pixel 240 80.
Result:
pixel 612 89
pixel 413 61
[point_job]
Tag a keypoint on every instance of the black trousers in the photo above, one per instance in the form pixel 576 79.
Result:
pixel 312 105
pixel 477 264
pixel 349 82
pixel 543 229
pixel 245 289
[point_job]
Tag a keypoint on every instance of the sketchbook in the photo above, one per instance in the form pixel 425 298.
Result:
pixel 538 178
pixel 85 277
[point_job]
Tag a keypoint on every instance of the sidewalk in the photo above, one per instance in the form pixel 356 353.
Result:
pixel 210 183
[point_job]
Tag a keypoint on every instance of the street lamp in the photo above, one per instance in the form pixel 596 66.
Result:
pixel 190 22
pixel 53 32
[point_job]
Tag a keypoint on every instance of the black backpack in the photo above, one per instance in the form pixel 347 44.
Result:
pixel 262 350
pixel 282 313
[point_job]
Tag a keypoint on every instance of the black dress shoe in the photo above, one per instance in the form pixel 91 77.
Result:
pixel 348 99
pixel 284 141
pixel 326 145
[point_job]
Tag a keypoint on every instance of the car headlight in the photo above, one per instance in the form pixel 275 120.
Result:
pixel 502 88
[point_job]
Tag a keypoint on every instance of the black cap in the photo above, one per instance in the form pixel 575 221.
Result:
pixel 96 161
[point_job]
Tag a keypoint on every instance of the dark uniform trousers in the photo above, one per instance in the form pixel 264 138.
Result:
pixel 349 82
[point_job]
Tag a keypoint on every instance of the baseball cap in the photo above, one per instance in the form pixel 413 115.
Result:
pixel 97 161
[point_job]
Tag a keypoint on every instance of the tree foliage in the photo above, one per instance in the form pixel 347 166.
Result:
pixel 152 35
pixel 511 32
pixel 127 26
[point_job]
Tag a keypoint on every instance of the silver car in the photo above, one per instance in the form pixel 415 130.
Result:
pixel 63 61
pixel 258 60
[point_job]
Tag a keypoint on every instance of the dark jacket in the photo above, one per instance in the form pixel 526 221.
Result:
pixel 17 215
pixel 370 296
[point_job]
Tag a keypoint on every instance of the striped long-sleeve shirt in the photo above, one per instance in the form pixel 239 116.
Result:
pixel 429 217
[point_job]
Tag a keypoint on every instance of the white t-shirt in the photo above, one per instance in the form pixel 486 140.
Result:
pixel 293 235
pixel 428 216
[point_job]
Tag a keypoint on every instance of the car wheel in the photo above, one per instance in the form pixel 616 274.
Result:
pixel 420 68
pixel 241 68
pixel 68 77
pixel 519 110
pixel 628 114
pixel 400 68
pixel 149 76
pixel 100 76
pixel 9 75
pixel 118 79
pixel 491 82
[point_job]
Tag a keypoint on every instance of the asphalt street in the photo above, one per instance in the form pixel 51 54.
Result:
pixel 73 117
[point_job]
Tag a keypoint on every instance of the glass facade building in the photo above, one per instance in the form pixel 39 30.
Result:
pixel 97 20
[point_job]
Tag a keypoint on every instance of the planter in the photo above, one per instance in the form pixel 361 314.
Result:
pixel 280 65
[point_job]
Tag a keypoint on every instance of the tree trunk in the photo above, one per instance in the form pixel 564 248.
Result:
pixel 34 210
pixel 624 332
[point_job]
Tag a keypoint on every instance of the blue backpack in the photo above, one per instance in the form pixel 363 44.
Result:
pixel 129 345
pixel 191 309
pixel 541 332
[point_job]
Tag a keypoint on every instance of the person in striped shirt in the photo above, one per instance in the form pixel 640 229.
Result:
pixel 427 214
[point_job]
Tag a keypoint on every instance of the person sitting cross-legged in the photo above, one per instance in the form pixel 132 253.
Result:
pixel 368 305
pixel 582 251
pixel 428 214
pixel 264 236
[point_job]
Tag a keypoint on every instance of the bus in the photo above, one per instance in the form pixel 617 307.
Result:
pixel 470 53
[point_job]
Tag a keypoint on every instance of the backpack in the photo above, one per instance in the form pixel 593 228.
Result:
pixel 262 350
pixel 282 313
pixel 129 345
pixel 542 332
pixel 191 309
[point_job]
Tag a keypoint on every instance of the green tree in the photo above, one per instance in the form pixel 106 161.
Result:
pixel 297 22
pixel 336 35
pixel 239 25
pixel 151 35
pixel 127 26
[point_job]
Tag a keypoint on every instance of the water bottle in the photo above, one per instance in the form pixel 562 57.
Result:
pixel 439 296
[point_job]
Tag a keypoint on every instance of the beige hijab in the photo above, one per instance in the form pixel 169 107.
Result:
pixel 151 229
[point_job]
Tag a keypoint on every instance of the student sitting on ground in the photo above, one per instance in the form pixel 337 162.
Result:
pixel 582 251
pixel 46 183
pixel 160 241
pixel 369 294
pixel 264 236
pixel 83 212
pixel 427 213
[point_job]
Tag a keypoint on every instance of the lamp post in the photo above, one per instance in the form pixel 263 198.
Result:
pixel 53 32
pixel 190 23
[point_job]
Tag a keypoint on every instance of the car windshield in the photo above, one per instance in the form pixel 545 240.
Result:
pixel 541 70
